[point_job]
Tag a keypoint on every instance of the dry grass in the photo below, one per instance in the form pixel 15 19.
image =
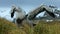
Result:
pixel 42 27
pixel 47 28
pixel 7 27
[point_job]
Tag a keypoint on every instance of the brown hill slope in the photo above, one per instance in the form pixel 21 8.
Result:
pixel 42 27
pixel 7 27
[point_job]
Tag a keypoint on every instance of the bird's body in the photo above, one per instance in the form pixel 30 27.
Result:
pixel 19 15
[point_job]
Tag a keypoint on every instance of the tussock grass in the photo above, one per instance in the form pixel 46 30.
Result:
pixel 42 27
pixel 47 28
pixel 7 27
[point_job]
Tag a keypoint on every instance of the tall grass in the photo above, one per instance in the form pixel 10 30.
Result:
pixel 42 27
pixel 47 28
pixel 7 27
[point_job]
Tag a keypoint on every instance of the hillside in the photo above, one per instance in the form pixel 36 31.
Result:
pixel 42 27
pixel 7 27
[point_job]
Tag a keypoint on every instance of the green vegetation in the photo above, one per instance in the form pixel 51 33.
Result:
pixel 9 28
pixel 42 27
pixel 47 28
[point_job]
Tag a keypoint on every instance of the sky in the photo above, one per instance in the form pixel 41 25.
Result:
pixel 27 5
